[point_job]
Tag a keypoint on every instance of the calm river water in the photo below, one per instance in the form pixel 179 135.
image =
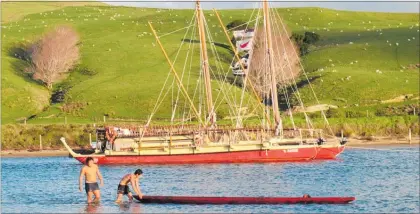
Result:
pixel 382 181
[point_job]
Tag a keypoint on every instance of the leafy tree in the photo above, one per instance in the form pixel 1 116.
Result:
pixel 237 24
pixel 304 41
pixel 311 38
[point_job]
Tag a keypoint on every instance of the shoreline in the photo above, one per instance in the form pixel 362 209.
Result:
pixel 353 142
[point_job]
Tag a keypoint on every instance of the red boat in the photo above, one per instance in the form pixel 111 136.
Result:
pixel 244 200
pixel 238 153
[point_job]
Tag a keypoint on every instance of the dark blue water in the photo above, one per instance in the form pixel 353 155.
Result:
pixel 381 180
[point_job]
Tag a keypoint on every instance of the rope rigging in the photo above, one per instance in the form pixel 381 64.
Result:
pixel 227 93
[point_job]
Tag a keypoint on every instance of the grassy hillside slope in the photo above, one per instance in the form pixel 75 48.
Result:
pixel 127 69
pixel 13 11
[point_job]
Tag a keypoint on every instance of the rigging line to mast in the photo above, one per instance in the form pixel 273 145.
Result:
pixel 244 86
pixel 310 85
pixel 237 57
pixel 251 54
pixel 229 89
pixel 225 76
pixel 158 103
pixel 283 86
pixel 175 73
pixel 221 85
pixel 228 86
pixel 235 78
pixel 219 66
pixel 189 71
pixel 294 85
pixel 182 77
pixel 166 34
pixel 295 52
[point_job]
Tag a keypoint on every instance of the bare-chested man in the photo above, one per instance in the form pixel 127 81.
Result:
pixel 123 185
pixel 90 171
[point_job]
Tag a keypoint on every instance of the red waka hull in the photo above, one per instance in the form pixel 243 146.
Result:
pixel 326 152
pixel 256 156
pixel 244 200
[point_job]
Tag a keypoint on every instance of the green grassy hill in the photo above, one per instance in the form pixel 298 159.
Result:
pixel 127 69
pixel 15 10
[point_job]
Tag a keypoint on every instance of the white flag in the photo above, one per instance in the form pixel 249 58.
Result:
pixel 243 34
pixel 244 45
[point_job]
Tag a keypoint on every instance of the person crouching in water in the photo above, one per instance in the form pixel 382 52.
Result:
pixel 90 171
pixel 123 186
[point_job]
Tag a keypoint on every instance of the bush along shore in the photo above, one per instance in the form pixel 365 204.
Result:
pixel 27 137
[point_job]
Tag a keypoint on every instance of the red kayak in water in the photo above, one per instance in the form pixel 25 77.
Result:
pixel 306 199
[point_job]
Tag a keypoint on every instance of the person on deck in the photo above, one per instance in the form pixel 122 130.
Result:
pixel 123 186
pixel 90 171
pixel 110 134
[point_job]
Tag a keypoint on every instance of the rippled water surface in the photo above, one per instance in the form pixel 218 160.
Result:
pixel 381 180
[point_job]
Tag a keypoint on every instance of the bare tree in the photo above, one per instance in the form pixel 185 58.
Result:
pixel 54 54
pixel 286 62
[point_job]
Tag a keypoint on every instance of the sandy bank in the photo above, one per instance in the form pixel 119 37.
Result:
pixel 25 153
pixel 382 141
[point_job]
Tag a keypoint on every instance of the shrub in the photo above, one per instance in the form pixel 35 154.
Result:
pixel 237 24
pixel 304 41
pixel 333 112
pixel 354 114
pixel 311 38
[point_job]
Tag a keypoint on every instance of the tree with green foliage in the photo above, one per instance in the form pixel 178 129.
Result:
pixel 311 38
pixel 304 41
pixel 237 25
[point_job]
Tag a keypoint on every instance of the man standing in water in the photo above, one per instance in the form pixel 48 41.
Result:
pixel 90 171
pixel 123 186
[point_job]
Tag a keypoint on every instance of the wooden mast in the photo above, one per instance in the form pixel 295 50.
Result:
pixel 270 51
pixel 205 65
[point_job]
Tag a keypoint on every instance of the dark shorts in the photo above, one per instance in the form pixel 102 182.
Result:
pixel 90 187
pixel 123 189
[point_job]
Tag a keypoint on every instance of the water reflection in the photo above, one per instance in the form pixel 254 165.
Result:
pixel 124 206
pixel 92 208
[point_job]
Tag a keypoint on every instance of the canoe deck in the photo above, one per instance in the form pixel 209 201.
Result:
pixel 243 200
